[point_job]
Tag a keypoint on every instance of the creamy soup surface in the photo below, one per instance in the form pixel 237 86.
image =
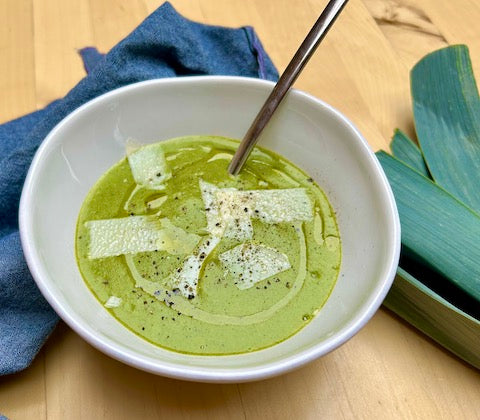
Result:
pixel 197 261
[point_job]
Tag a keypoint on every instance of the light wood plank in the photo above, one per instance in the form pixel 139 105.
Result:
pixel 113 20
pixel 84 383
pixel 17 78
pixel 61 28
pixel 457 21
pixel 22 395
pixel 374 67
pixel 191 9
pixel 359 381
pixel 408 29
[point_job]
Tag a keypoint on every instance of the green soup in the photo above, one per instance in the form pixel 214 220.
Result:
pixel 195 260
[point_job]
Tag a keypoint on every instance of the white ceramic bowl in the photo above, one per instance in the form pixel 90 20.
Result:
pixel 307 131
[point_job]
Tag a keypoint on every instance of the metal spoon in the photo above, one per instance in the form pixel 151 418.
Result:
pixel 294 68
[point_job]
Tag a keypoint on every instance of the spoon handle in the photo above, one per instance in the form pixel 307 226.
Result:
pixel 296 65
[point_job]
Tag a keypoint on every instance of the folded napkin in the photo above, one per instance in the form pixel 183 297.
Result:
pixel 164 45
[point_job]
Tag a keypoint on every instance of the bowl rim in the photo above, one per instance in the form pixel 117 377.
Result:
pixel 204 374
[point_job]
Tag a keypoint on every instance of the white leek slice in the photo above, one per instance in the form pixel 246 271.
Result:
pixel 251 263
pixel 113 302
pixel 149 167
pixel 134 234
pixel 186 278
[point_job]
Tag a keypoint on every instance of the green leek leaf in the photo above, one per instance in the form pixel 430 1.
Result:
pixel 436 317
pixel 407 151
pixel 446 108
pixel 438 231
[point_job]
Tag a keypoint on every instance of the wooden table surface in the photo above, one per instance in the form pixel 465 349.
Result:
pixel 389 370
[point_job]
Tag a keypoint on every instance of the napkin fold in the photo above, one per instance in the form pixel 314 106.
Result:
pixel 164 45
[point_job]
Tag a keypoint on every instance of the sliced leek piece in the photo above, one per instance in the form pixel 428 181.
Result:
pixel 438 231
pixel 435 316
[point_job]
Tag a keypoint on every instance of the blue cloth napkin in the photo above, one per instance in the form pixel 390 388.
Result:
pixel 164 45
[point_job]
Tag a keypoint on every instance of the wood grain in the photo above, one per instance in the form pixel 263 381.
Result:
pixel 17 68
pixel 457 22
pixel 114 20
pixel 407 28
pixel 61 28
pixel 388 370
